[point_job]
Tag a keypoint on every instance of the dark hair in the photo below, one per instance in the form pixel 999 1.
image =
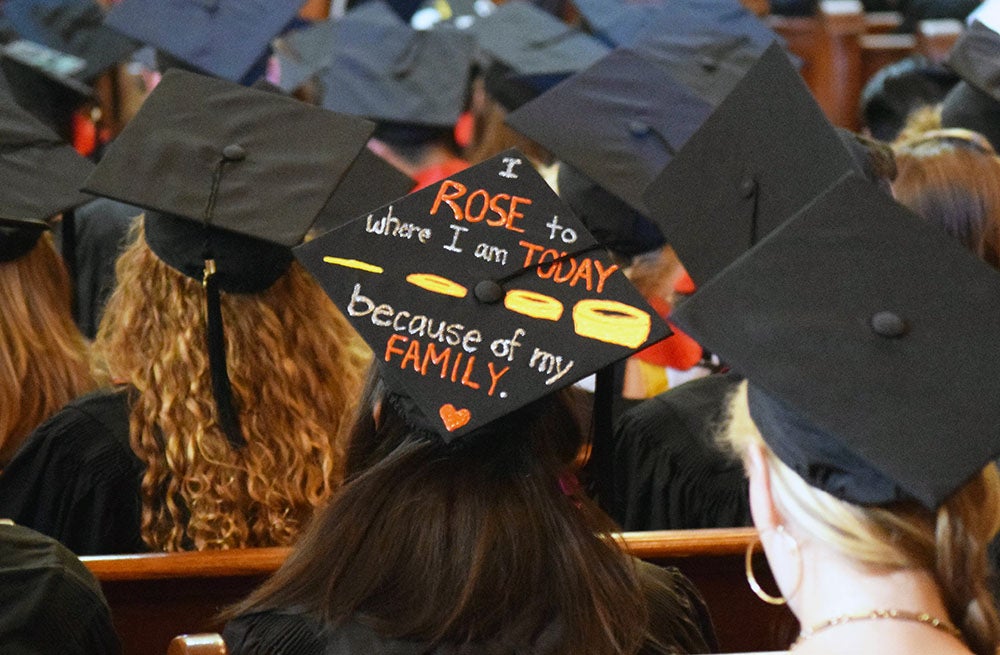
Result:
pixel 897 90
pixel 442 543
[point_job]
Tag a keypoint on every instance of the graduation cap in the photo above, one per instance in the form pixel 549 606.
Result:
pixel 708 45
pixel 41 178
pixel 304 53
pixel 617 226
pixel 480 294
pixel 413 77
pixel 762 155
pixel 531 51
pixel 619 122
pixel 233 177
pixel 370 182
pixel 72 28
pixel 974 103
pixel 56 49
pixel 225 38
pixel 855 371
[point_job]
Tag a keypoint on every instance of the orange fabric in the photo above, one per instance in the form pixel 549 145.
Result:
pixel 679 351
pixel 427 176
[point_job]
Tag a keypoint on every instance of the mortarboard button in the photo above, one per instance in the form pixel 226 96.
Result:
pixel 638 128
pixel 889 325
pixel 489 292
pixel 709 63
pixel 234 152
pixel 748 187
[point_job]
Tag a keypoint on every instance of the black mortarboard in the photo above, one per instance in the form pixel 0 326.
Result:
pixel 56 50
pixel 464 293
pixel 974 103
pixel 307 52
pixel 226 38
pixel 370 182
pixel 619 122
pixel 615 225
pixel 411 77
pixel 234 177
pixel 535 50
pixel 708 45
pixel 70 27
pixel 764 153
pixel 41 178
pixel 861 381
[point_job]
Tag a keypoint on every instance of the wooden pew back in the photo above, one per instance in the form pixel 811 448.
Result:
pixel 156 596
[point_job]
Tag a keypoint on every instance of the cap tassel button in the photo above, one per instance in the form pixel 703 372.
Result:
pixel 888 325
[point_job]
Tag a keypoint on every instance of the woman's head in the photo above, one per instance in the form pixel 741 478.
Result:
pixel 950 543
pixel 43 358
pixel 433 542
pixel 952 179
pixel 294 365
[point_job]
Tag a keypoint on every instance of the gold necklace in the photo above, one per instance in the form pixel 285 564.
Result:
pixel 874 615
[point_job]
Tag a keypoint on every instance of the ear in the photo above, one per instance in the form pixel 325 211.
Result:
pixel 762 507
pixel 377 413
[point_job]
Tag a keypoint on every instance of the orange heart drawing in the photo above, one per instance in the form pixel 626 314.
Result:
pixel 454 418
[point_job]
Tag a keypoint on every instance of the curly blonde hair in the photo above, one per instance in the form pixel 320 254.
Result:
pixel 296 368
pixel 44 361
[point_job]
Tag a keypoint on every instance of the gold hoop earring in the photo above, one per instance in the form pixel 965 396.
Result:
pixel 752 580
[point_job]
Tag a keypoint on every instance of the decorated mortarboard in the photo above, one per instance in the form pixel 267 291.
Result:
pixel 41 178
pixel 619 122
pixel 762 155
pixel 413 77
pixel 855 372
pixel 225 38
pixel 480 294
pixel 233 177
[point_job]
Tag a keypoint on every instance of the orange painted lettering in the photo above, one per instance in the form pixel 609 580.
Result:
pixel 412 354
pixel 468 373
pixel 449 191
pixel 431 356
pixel 478 193
pixel 390 346
pixel 513 215
pixel 532 249
pixel 495 377
pixel 603 274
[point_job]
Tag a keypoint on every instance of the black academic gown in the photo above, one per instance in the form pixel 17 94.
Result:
pixel 77 480
pixel 49 602
pixel 101 228
pixel 679 623
pixel 668 472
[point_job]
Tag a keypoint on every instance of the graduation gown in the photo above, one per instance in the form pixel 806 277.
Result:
pixel 679 623
pixel 77 480
pixel 668 474
pixel 49 601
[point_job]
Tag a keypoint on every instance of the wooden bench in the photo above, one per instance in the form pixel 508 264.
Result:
pixel 156 596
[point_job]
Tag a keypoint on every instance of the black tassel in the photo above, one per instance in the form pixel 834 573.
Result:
pixel 221 388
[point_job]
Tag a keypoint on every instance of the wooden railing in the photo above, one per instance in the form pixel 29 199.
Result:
pixel 157 596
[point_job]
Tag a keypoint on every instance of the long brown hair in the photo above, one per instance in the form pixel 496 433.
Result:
pixel 955 184
pixel 296 369
pixel 44 361
pixel 465 544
